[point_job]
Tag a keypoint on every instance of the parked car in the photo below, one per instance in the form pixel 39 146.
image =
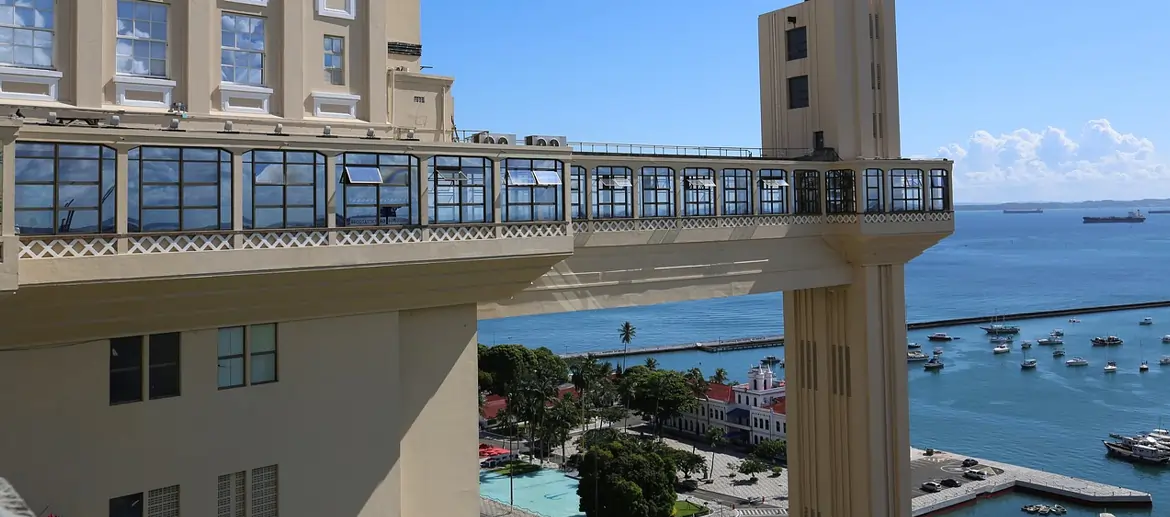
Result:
pixel 931 486
pixel 977 475
pixel 968 463
pixel 950 483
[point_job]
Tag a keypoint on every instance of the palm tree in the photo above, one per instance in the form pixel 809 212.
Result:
pixel 627 332
pixel 720 376
pixel 715 436
pixel 699 387
pixel 651 363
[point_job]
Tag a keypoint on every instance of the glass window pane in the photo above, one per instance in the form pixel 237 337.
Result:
pixel 263 338
pixel 230 372
pixel 231 341
pixel 263 368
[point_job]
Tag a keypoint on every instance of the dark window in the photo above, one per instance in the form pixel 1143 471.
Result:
pixel 737 192
pixel 905 190
pixel 126 369
pixel 375 189
pixel 64 188
pixel 698 192
pixel 773 191
pixel 230 364
pixel 577 191
pixel 165 370
pixel 808 192
pixel 611 192
pixel 532 190
pixel 460 190
pixel 127 506
pixel 940 186
pixel 874 187
pixel 657 192
pixel 798 92
pixel 818 140
pixel 175 188
pixel 262 353
pixel 841 191
pixel 284 189
pixel 796 43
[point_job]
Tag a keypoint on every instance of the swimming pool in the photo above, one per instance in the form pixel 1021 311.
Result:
pixel 546 492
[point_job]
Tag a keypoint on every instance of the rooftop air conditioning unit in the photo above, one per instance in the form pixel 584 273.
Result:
pixel 493 138
pixel 546 141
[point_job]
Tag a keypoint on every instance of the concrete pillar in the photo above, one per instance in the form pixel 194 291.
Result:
pixel 848 448
pixel 438 404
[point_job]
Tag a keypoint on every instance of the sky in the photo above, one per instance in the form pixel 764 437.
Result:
pixel 1035 100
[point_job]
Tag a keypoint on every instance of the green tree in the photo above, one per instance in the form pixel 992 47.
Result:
pixel 627 477
pixel 559 419
pixel 662 395
pixel 614 414
pixel 720 376
pixel 689 463
pixel 593 381
pixel 716 436
pixel 651 363
pixel 627 332
pixel 751 466
pixel 772 452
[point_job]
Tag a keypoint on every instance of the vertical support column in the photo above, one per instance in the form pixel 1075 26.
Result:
pixel 238 173
pixel 90 24
pixel 331 196
pixel 755 190
pixel 680 188
pixel 887 191
pixel 378 81
pixel 423 191
pixel 717 195
pixel 122 196
pixel 823 177
pixel 849 444
pixel 636 193
pixel 8 188
pixel 198 81
pixel 497 194
pixel 567 191
pixel 292 77
pixel 923 189
pixel 587 191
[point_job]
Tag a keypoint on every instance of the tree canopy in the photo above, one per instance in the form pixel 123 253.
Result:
pixel 623 476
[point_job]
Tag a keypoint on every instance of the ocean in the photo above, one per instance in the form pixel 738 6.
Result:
pixel 983 405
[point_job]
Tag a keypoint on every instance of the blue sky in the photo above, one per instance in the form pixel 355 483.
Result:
pixel 1034 99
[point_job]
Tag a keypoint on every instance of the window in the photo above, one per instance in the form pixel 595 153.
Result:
pixel 163 502
pixel 798 92
pixel 841 191
pixel 532 190
pixel 26 32
pixel 577 191
pixel 808 192
pixel 419 99
pixel 657 192
pixel 375 189
pixel 905 190
pixel 612 187
pixel 334 60
pixel 241 349
pixel 773 191
pixel 737 192
pixel 174 188
pixel 264 492
pixel 284 189
pixel 127 506
pixel 698 192
pixel 242 49
pixel 232 495
pixel 874 198
pixel 165 370
pixel 64 188
pixel 796 43
pixel 460 189
pixel 125 371
pixel 141 48
pixel 940 186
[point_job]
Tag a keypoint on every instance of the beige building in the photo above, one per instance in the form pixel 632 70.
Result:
pixel 249 287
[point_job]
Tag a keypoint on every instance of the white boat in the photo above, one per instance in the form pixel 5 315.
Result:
pixel 1074 320
pixel 1076 361
pixel 1028 364
pixel 933 364
pixel 1166 338
pixel 1001 349
pixel 1145 367
pixel 1057 332
pixel 1050 340
pixel 1165 360
pixel 915 356
pixel 1000 339
pixel 1059 352
pixel 938 350
pixel 1146 321
pixel 1025 344
pixel 913 346
pixel 1110 367
pixel 940 336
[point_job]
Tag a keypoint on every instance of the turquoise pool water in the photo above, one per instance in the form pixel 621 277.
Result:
pixel 546 492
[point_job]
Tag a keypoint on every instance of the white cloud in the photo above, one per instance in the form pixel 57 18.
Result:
pixel 1097 162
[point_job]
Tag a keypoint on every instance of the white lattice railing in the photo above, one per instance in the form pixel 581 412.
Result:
pixel 747 221
pixel 909 217
pixel 63 246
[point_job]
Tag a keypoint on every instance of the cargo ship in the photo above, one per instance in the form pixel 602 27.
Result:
pixel 1023 211
pixel 1135 216
pixel 1159 211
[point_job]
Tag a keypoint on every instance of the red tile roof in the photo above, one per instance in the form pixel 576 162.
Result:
pixel 780 406
pixel 720 392
pixel 494 404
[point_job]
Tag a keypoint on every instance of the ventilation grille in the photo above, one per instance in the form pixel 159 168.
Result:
pixel 163 502
pixel 231 498
pixel 264 496
pixel 405 49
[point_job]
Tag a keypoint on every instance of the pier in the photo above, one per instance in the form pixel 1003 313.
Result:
pixel 721 345
pixel 1076 311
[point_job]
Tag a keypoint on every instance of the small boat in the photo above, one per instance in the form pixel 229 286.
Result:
pixel 770 360
pixel 1166 338
pixel 1145 367
pixel 1074 320
pixel 1110 367
pixel 1137 453
pixel 915 356
pixel 1000 328
pixel 1028 364
pixel 1057 332
pixel 1058 509
pixel 938 350
pixel 1107 341
pixel 1165 360
pixel 1076 361
pixel 933 364
pixel 913 346
pixel 1026 344
pixel 1146 321
pixel 1050 340
pixel 1001 349
pixel 1058 352
pixel 1001 339
pixel 940 336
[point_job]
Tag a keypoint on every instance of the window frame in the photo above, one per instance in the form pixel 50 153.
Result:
pixel 939 199
pixel 655 189
pixel 840 191
pixel 247 356
pixel 132 38
pixel 235 50
pixel 577 192
pixel 34 31
pixel 699 201
pixel 334 48
pixel 774 197
pixel 807 192
pixel 874 185
pixel 799 95
pixel 392 167
pixel 105 182
pixel 250 167
pixel 137 188
pixel 532 198
pixel 153 366
pixel 796 43
pixel 608 196
pixel 737 191
pixel 449 176
pixel 138 343
pixel 906 193
pixel 134 505
pixel 242 357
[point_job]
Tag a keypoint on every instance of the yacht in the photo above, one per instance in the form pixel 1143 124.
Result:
pixel 1028 364
pixel 933 364
pixel 1001 339
pixel 913 346
pixel 1074 320
pixel 1107 341
pixel 770 360
pixel 1110 366
pixel 1146 321
pixel 1001 349
pixel 1000 328
pixel 1166 338
pixel 1145 367
pixel 1076 361
pixel 1025 344
pixel 1137 453
pixel 1165 360
pixel 940 336
pixel 938 350
pixel 1050 340
pixel 1059 352
pixel 915 356
pixel 1057 332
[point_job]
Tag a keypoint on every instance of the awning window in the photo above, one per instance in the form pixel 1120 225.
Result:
pixel 614 182
pixel 701 182
pixel 521 178
pixel 450 174
pixel 362 176
pixel 773 183
pixel 547 178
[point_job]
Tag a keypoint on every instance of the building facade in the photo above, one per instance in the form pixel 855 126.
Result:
pixel 748 413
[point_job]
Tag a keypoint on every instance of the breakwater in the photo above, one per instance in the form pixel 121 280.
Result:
pixel 724 345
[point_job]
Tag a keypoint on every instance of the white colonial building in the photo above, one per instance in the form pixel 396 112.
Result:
pixel 748 412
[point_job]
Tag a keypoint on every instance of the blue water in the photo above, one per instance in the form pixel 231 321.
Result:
pixel 981 404
pixel 547 492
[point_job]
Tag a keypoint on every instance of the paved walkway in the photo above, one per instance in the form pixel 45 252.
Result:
pixel 774 490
